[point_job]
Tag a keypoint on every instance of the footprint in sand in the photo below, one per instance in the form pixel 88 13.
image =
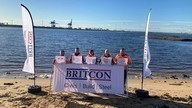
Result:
pixel 16 87
pixel 3 88
pixel 5 95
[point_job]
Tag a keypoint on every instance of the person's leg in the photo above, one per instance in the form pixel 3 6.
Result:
pixel 125 78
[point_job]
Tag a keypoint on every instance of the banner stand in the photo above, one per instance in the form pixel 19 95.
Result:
pixel 28 33
pixel 146 59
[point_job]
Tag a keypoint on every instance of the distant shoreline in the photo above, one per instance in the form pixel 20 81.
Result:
pixel 47 27
pixel 171 38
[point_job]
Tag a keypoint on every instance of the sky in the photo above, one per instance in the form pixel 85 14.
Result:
pixel 131 15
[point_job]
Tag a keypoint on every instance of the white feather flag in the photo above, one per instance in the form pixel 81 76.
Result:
pixel 28 35
pixel 146 56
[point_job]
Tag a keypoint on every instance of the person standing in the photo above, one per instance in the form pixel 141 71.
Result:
pixel 91 58
pixel 75 54
pixel 106 55
pixel 62 53
pixel 122 54
pixel 91 53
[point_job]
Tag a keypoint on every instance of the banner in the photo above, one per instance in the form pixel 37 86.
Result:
pixel 90 60
pixel 77 59
pixel 88 78
pixel 146 55
pixel 28 36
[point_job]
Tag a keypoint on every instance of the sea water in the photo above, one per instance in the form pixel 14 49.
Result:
pixel 166 56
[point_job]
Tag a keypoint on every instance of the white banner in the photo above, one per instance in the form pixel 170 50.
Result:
pixel 88 78
pixel 90 60
pixel 28 36
pixel 106 60
pixel 77 59
pixel 146 55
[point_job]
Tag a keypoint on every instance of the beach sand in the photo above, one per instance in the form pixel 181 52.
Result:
pixel 164 92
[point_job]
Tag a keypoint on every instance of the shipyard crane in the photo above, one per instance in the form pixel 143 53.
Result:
pixel 53 23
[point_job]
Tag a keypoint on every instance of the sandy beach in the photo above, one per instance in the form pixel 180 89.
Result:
pixel 165 92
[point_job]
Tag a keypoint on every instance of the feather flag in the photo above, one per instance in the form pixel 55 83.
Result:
pixel 28 35
pixel 146 55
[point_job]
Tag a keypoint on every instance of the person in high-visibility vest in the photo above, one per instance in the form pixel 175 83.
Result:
pixel 62 53
pixel 77 53
pixel 91 54
pixel 106 55
pixel 122 54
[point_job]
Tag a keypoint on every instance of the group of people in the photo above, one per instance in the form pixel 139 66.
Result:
pixel 121 55
pixel 106 54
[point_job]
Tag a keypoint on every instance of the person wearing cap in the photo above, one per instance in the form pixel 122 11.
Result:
pixel 122 54
pixel 91 55
pixel 62 53
pixel 77 53
pixel 106 55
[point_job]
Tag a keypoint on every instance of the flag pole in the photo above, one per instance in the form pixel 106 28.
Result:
pixel 145 48
pixel 34 48
pixel 142 77
pixel 146 59
pixel 33 38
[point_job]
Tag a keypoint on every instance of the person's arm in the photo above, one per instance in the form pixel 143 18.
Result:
pixel 100 60
pixel 84 59
pixel 96 61
pixel 67 60
pixel 70 59
pixel 115 59
pixel 112 62
pixel 54 61
pixel 129 60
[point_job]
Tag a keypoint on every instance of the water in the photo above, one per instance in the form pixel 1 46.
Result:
pixel 166 56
